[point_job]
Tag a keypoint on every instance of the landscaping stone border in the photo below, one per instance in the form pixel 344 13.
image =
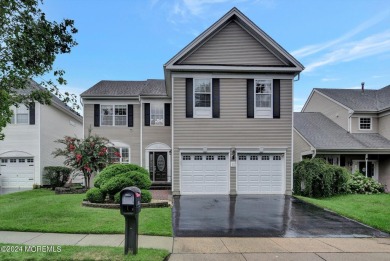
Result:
pixel 155 204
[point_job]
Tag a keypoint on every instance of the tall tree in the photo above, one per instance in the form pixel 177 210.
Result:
pixel 29 44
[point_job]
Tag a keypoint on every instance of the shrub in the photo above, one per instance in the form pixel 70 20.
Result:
pixel 128 179
pixel 146 196
pixel 317 178
pixel 95 195
pixel 117 197
pixel 360 184
pixel 56 175
pixel 117 169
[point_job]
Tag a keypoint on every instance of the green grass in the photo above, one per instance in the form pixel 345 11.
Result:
pixel 83 253
pixel 43 211
pixel 372 210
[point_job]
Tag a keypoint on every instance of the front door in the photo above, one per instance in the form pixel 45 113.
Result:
pixel 370 168
pixel 158 166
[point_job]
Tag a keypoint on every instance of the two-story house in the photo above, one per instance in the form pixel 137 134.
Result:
pixel 29 140
pixel 347 127
pixel 219 123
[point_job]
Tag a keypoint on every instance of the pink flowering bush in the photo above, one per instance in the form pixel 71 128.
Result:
pixel 88 155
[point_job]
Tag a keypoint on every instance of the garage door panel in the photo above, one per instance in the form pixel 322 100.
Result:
pixel 259 174
pixel 17 172
pixel 209 173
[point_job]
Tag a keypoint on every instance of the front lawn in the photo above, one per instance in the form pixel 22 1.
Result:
pixel 43 211
pixel 372 210
pixel 79 253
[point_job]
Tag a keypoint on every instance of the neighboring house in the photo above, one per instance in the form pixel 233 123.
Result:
pixel 29 141
pixel 347 127
pixel 220 122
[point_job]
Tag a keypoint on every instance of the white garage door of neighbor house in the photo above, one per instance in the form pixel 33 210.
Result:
pixel 260 174
pixel 17 172
pixel 204 173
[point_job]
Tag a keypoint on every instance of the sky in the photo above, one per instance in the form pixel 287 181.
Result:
pixel 341 43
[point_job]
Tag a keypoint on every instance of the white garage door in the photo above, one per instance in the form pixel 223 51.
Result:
pixel 260 174
pixel 17 172
pixel 204 173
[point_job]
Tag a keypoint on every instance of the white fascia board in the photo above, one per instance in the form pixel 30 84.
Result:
pixel 300 135
pixel 232 68
pixel 162 100
pixel 354 151
pixel 111 101
pixel 232 75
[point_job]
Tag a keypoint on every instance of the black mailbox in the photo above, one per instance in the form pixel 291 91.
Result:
pixel 130 201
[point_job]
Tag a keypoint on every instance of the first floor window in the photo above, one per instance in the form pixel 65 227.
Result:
pixel 157 114
pixel 119 155
pixel 113 115
pixel 365 124
pixel 202 98
pixel 21 115
pixel 263 98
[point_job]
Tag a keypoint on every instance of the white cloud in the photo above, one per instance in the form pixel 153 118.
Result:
pixel 369 46
pixel 312 49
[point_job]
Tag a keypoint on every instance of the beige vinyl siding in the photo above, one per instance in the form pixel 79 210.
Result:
pixel 384 126
pixel 233 128
pixel 300 145
pixel 335 112
pixel 232 46
pixel 124 134
pixel 55 124
pixel 355 123
pixel 152 134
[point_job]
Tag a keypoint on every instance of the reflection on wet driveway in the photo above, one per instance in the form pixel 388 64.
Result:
pixel 260 216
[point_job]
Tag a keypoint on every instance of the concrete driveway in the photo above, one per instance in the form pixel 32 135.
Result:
pixel 260 216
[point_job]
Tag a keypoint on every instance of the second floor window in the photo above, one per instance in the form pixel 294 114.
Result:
pixel 21 115
pixel 263 98
pixel 157 114
pixel 113 115
pixel 365 124
pixel 202 98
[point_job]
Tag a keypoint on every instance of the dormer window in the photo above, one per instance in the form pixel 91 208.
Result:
pixel 365 124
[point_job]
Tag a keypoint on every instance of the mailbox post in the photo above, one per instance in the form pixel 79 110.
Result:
pixel 130 205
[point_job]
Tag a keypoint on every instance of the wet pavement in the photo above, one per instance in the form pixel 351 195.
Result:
pixel 260 216
pixel 12 190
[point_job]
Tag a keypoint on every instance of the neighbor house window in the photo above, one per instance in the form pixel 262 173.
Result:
pixel 21 115
pixel 113 115
pixel 202 98
pixel 119 155
pixel 157 114
pixel 365 124
pixel 263 98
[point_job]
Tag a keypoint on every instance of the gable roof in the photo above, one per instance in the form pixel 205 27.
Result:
pixel 356 100
pixel 54 99
pixel 150 87
pixel 234 15
pixel 323 133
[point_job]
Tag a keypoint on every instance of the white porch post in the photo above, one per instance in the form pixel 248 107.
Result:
pixel 366 164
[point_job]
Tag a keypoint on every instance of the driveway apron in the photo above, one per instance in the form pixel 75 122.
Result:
pixel 260 216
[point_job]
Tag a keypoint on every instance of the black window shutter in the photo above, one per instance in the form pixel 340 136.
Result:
pixel 32 113
pixel 147 114
pixel 167 114
pixel 276 98
pixel 250 98
pixel 96 115
pixel 189 98
pixel 216 99
pixel 130 115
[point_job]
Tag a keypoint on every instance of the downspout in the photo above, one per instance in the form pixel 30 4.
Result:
pixel 314 153
pixel 299 77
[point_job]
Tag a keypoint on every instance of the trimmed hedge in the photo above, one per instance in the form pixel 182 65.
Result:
pixel 116 169
pixel 56 175
pixel 95 195
pixel 317 178
pixel 121 181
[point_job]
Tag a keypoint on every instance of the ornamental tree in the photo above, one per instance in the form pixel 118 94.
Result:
pixel 88 155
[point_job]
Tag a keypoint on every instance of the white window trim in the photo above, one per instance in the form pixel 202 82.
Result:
pixel 14 110
pixel 210 113
pixel 271 110
pixel 120 152
pixel 365 123
pixel 150 116
pixel 113 115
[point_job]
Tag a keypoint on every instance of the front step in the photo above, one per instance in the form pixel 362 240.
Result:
pixel 161 186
